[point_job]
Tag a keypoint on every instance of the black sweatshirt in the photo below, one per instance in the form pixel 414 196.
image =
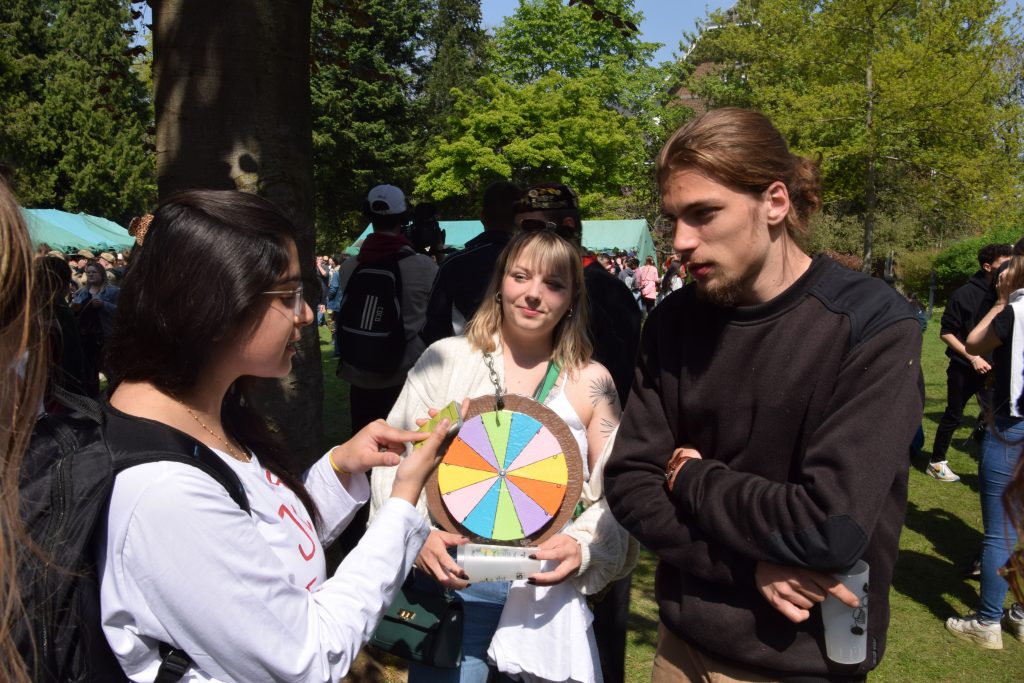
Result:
pixel 803 409
pixel 966 306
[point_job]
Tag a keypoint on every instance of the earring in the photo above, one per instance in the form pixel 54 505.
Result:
pixel 569 314
pixel 497 297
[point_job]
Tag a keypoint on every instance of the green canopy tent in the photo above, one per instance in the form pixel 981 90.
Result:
pixel 73 231
pixel 598 236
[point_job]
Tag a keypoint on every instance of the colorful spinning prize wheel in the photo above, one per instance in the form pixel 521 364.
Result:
pixel 510 477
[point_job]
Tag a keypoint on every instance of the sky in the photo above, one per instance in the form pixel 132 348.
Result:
pixel 664 20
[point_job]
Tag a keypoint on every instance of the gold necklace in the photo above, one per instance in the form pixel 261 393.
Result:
pixel 234 454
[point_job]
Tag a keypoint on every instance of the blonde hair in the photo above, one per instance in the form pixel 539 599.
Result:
pixel 22 380
pixel 551 254
pixel 744 151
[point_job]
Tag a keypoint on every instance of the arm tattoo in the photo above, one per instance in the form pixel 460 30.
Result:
pixel 603 389
pixel 608 426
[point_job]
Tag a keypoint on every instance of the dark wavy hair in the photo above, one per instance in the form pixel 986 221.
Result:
pixel 196 283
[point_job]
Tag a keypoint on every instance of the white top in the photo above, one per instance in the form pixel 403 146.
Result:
pixel 560 405
pixel 247 597
pixel 451 369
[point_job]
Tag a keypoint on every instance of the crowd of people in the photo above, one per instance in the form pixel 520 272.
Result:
pixel 753 437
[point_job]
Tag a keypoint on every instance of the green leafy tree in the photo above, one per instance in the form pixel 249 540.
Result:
pixel 557 129
pixel 545 35
pixel 905 101
pixel 76 132
pixel 572 98
pixel 366 62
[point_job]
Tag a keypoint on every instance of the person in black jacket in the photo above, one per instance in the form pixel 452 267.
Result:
pixel 965 376
pixel 463 277
pixel 764 444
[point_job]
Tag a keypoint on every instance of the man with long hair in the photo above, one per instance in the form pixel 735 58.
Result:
pixel 763 448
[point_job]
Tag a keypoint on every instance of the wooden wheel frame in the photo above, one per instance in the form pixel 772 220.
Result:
pixel 573 489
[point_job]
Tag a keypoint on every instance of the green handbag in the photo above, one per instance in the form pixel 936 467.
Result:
pixel 423 626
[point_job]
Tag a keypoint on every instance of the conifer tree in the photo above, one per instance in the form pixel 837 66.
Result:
pixel 73 113
pixel 367 125
pixel 457 45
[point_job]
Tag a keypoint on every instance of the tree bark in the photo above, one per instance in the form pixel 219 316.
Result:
pixel 231 79
pixel 870 196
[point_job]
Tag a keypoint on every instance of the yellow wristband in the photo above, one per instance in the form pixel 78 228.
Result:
pixel 334 466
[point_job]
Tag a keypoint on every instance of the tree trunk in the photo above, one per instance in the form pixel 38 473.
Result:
pixel 233 112
pixel 870 198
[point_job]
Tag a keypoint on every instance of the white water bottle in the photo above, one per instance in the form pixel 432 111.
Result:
pixel 496 562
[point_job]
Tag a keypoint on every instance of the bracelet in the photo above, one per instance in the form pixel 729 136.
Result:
pixel 334 467
pixel 670 472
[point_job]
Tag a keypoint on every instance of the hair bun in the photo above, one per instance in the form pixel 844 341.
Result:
pixel 805 188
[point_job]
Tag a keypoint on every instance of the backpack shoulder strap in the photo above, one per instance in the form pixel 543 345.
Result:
pixel 135 441
pixel 201 458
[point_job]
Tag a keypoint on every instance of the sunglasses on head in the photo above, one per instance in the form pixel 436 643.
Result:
pixel 536 225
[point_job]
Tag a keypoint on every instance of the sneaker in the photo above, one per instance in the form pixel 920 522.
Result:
pixel 941 471
pixel 988 636
pixel 1013 622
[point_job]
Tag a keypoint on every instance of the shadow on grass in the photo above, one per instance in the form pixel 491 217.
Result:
pixel 951 537
pixel 931 580
pixel 933 584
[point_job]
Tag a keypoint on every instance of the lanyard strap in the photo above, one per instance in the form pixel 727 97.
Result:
pixel 550 377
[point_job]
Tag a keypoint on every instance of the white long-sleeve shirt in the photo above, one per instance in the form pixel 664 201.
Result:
pixel 247 597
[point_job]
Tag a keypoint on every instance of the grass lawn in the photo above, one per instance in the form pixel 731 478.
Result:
pixel 941 535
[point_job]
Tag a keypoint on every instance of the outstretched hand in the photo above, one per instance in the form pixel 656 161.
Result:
pixel 375 445
pixel 793 591
pixel 414 469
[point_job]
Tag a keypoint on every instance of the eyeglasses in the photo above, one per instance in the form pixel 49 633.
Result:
pixel 566 232
pixel 290 297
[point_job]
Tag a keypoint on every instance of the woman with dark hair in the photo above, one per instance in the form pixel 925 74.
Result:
pixel 530 330
pixel 1001 333
pixel 95 304
pixel 212 300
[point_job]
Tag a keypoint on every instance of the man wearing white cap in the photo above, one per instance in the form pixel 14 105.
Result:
pixel 376 355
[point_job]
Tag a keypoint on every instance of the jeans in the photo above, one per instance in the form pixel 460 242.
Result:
pixel 998 461
pixel 481 604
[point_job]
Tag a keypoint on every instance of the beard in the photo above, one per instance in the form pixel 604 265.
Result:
pixel 722 292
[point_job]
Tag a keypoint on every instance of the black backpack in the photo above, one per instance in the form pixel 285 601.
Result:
pixel 371 330
pixel 65 485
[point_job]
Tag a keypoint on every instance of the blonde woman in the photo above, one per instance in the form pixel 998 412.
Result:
pixel 533 318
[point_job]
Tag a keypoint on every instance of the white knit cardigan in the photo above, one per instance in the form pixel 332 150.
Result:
pixel 452 369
